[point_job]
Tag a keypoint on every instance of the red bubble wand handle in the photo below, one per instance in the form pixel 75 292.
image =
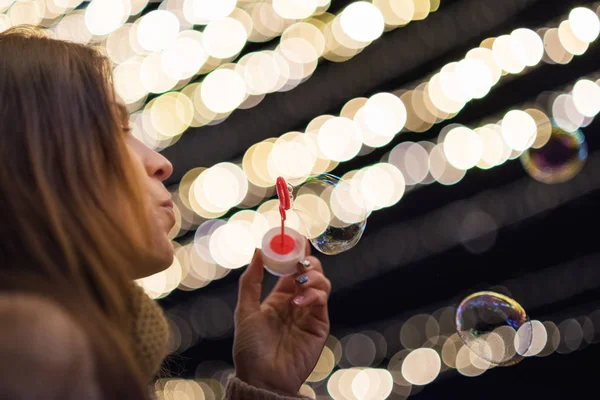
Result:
pixel 284 202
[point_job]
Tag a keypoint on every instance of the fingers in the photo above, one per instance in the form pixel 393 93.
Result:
pixel 289 284
pixel 250 286
pixel 310 263
pixel 310 275
pixel 314 288
pixel 311 297
pixel 313 279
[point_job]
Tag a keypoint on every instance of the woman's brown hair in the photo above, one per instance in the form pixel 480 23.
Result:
pixel 72 217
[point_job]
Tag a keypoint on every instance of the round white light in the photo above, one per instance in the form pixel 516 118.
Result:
pixel 584 24
pixel 586 96
pixel 533 44
pixel 223 90
pixel 201 12
pixel 294 9
pixel 362 21
pixel 224 38
pixel 157 30
pixel 463 147
pixel 519 130
pixel 105 16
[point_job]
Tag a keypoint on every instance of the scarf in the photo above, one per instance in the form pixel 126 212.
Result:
pixel 149 333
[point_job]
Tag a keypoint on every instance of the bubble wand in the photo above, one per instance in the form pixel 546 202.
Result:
pixel 283 248
pixel 284 203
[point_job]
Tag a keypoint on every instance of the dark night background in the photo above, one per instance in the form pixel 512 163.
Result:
pixel 546 261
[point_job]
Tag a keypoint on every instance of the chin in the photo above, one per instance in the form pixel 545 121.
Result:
pixel 168 260
pixel 161 258
pixel 165 259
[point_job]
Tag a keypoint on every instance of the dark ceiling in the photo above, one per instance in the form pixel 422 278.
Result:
pixel 544 253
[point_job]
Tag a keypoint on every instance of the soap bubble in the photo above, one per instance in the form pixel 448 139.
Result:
pixel 494 327
pixel 332 212
pixel 559 159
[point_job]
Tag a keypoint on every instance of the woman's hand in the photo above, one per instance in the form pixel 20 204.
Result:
pixel 278 343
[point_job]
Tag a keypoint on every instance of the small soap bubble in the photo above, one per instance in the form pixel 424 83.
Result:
pixel 559 159
pixel 332 212
pixel 494 327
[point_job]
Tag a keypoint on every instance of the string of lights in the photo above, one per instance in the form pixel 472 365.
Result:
pixel 430 337
pixel 413 240
pixel 370 123
pixel 196 267
pixel 431 346
pixel 410 369
pixel 161 51
pixel 423 238
pixel 334 38
pixel 217 46
pixel 473 224
pixel 37 13
pixel 382 185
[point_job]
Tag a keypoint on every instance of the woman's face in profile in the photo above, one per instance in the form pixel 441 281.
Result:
pixel 154 169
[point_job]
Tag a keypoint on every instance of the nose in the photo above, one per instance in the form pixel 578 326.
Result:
pixel 158 166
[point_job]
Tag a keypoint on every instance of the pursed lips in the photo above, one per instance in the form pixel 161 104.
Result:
pixel 170 207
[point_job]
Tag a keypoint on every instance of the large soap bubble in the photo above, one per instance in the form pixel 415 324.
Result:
pixel 332 212
pixel 559 159
pixel 494 327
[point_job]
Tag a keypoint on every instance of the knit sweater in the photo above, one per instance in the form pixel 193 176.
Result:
pixel 239 390
pixel 150 335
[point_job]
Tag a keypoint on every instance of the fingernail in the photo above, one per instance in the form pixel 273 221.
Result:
pixel 298 300
pixel 305 263
pixel 302 279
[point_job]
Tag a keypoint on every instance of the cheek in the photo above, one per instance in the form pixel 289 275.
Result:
pixel 163 248
pixel 162 222
pixel 137 162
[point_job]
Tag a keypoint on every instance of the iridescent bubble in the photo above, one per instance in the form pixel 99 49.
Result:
pixel 332 212
pixel 494 327
pixel 559 159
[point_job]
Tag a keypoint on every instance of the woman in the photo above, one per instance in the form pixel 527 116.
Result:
pixel 83 212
